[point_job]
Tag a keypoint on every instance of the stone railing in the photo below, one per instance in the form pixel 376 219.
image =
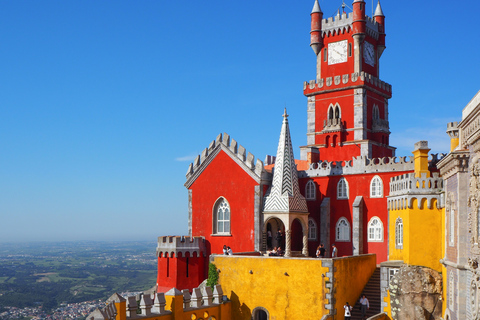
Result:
pixel 151 306
pixel 357 165
pixel 380 125
pixel 180 245
pixel 409 184
pixel 331 125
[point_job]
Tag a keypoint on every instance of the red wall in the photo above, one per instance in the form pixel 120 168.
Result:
pixel 172 271
pixel 223 177
pixel 359 185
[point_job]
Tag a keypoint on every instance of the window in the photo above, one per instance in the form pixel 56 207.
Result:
pixel 349 49
pixel 342 189
pixel 375 113
pixel 222 217
pixel 312 229
pixel 375 230
pixel 342 230
pixel 451 291
pixel 325 54
pixel 310 192
pixel 452 226
pixel 376 187
pixel 399 233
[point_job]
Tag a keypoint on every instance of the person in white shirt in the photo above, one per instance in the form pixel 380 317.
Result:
pixel 348 311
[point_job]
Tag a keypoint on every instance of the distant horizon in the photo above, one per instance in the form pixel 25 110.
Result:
pixel 105 104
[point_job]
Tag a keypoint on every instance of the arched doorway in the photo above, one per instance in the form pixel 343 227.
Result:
pixel 273 225
pixel 260 313
pixel 297 235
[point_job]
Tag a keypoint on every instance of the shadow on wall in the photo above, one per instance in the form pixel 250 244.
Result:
pixel 243 310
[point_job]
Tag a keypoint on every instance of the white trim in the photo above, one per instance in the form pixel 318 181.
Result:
pixel 342 191
pixel 345 236
pixel 377 237
pixel 376 187
pixel 215 218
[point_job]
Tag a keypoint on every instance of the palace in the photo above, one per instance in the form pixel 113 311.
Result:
pixel 347 189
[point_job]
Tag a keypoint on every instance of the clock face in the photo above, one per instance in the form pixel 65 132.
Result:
pixel 369 53
pixel 337 52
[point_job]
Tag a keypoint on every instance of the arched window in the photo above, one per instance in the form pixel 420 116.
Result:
pixel 310 192
pixel 375 230
pixel 221 217
pixel 260 313
pixel 342 189
pixel 330 113
pixel 376 187
pixel 399 233
pixel 312 229
pixel 342 230
pixel 375 112
pixel 337 112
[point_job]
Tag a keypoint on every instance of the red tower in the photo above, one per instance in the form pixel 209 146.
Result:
pixel 347 103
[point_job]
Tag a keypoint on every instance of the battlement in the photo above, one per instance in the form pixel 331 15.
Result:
pixel 342 23
pixel 340 80
pixel 178 246
pixel 223 142
pixel 406 188
pixel 409 184
pixel 358 165
pixel 203 302
pixel 337 24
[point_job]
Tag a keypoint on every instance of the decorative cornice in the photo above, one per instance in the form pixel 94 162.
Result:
pixel 455 162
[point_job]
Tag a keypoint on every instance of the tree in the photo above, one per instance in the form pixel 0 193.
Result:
pixel 212 275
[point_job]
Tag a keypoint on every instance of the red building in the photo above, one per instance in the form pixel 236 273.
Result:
pixel 336 193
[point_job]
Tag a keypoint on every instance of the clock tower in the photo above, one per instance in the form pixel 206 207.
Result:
pixel 347 102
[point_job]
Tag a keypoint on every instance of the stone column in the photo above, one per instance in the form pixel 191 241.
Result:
pixel 305 243
pixel 357 226
pixel 288 243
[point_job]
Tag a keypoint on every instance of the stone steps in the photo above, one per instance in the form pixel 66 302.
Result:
pixel 372 292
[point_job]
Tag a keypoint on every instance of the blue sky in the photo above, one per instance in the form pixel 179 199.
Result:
pixel 105 103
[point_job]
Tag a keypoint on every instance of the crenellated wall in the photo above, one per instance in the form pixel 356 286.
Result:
pixel 242 157
pixel 342 23
pixel 173 305
pixel 358 165
pixel 180 245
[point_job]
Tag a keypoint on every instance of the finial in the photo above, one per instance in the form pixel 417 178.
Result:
pixel 343 6
pixel 316 7
pixel 285 115
pixel 378 10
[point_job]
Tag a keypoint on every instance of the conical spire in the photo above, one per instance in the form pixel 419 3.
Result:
pixel 378 10
pixel 316 7
pixel 284 194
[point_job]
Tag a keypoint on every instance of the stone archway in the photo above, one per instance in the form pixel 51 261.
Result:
pixel 274 224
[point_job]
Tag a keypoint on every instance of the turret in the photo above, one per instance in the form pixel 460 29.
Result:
pixel 452 131
pixel 359 26
pixel 380 19
pixel 316 40
pixel 420 158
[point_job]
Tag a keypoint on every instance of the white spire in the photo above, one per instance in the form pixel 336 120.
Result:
pixel 316 7
pixel 284 194
pixel 378 10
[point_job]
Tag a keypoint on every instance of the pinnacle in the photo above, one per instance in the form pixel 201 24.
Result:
pixel 378 10
pixel 316 7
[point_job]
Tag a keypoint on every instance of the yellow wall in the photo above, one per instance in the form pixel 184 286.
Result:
pixel 422 235
pixel 301 293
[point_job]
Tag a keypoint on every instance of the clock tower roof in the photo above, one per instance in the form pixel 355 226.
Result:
pixel 378 10
pixel 316 7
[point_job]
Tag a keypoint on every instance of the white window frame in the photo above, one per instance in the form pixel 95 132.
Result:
pixel 342 230
pixel 375 230
pixel 222 206
pixel 342 189
pixel 310 190
pixel 399 233
pixel 376 187
pixel 312 229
